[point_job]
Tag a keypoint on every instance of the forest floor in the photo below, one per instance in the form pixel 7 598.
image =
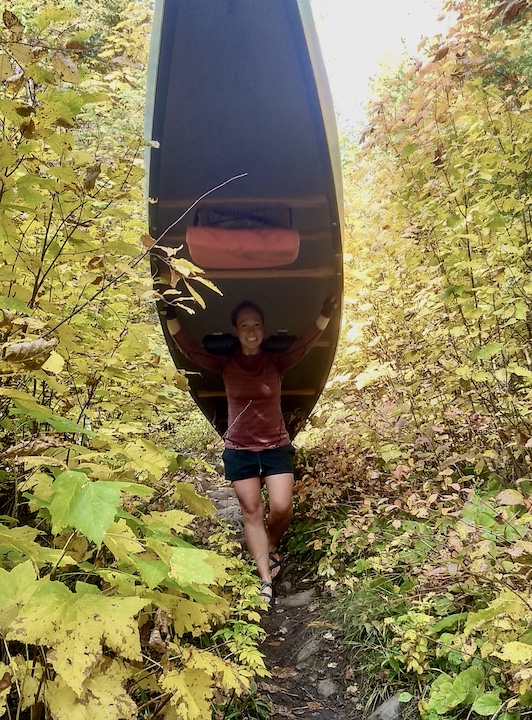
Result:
pixel 311 673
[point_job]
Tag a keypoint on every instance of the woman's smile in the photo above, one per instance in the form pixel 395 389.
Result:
pixel 249 331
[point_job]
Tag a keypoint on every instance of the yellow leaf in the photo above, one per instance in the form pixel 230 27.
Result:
pixel 200 505
pixel 184 267
pixel 43 461
pixel 5 67
pixel 225 673
pixel 122 541
pixel 191 693
pixel 65 67
pixel 29 676
pixel 22 53
pixel 16 394
pixel 168 520
pixel 16 587
pixel 103 695
pixel 188 616
pixel 517 653
pixel 510 497
pixel 21 539
pixel 76 626
pixel 197 297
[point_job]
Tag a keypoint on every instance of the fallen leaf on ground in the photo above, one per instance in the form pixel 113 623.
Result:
pixel 274 689
pixel 315 706
pixel 285 672
pixel 283 712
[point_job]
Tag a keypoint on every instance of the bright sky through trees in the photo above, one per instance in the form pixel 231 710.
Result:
pixel 357 37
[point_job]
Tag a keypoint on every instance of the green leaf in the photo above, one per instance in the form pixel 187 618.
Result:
pixel 187 565
pixel 82 504
pixel 41 414
pixel 152 572
pixel 448 622
pixel 440 692
pixel 135 488
pixel 405 697
pixel 15 305
pixel 486 351
pixel 96 509
pixel 66 490
pixel 199 505
pixel 467 684
pixel 487 704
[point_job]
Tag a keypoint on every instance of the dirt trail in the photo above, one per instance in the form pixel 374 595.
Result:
pixel 309 671
pixel 305 660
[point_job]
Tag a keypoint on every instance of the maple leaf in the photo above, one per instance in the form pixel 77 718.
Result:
pixel 189 616
pixel 191 693
pixel 76 626
pixel 104 695
pixel 186 563
pixel 198 504
pixel 86 505
pixel 122 541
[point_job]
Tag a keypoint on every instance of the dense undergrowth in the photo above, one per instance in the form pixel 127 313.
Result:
pixel 417 509
pixel 119 594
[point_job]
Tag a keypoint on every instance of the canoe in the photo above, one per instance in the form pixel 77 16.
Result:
pixel 238 89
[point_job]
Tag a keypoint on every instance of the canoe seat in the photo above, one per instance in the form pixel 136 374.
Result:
pixel 241 249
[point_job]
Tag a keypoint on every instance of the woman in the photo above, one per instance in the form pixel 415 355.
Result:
pixel 257 444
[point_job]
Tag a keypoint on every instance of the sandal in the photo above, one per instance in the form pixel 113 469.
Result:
pixel 267 594
pixel 275 564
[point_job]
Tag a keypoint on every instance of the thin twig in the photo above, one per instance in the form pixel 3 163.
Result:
pixel 139 259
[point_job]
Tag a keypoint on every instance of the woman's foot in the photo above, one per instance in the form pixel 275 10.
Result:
pixel 267 594
pixel 275 563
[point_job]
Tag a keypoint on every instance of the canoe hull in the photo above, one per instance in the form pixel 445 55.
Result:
pixel 238 88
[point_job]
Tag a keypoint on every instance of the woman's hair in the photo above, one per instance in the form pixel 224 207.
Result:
pixel 245 305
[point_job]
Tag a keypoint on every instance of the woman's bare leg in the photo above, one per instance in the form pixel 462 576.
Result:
pixel 249 497
pixel 280 489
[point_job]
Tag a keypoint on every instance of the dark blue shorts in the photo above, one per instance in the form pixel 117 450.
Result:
pixel 242 464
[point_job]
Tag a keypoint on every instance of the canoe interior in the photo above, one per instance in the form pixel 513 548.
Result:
pixel 238 86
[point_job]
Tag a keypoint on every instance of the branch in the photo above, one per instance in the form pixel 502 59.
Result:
pixel 141 257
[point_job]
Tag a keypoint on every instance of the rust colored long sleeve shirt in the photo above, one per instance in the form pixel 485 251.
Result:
pixel 253 388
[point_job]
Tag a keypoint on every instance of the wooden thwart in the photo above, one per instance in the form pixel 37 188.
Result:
pixel 304 392
pixel 265 273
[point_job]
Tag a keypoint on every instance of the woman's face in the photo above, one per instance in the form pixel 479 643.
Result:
pixel 250 331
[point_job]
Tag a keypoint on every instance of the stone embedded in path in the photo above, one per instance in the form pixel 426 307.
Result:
pixel 389 710
pixel 307 652
pixel 300 599
pixel 327 687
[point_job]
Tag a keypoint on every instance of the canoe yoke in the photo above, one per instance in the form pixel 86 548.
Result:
pixel 224 249
pixel 240 238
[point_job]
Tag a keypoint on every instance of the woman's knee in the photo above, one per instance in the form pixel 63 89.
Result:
pixel 280 512
pixel 252 509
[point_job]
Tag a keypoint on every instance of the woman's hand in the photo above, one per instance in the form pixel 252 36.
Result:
pixel 330 304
